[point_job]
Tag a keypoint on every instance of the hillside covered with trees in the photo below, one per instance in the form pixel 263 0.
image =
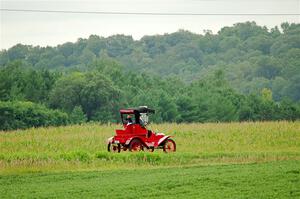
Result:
pixel 244 72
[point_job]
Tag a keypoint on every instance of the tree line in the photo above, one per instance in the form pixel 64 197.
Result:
pixel 252 57
pixel 244 72
pixel 31 97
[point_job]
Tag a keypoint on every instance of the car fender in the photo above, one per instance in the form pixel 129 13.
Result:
pixel 130 139
pixel 161 140
pixel 110 140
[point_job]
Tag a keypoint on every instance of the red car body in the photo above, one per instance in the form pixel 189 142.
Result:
pixel 135 136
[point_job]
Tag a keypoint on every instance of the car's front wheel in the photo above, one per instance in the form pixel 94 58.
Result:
pixel 169 146
pixel 115 148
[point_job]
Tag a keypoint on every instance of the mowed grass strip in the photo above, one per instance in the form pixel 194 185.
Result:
pixel 279 179
pixel 81 147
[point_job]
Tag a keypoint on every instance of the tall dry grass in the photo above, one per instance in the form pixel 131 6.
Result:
pixel 84 146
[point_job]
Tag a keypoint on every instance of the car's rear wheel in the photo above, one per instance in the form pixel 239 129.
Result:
pixel 169 146
pixel 115 148
pixel 136 145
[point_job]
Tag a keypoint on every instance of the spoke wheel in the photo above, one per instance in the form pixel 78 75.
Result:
pixel 136 145
pixel 114 148
pixel 169 146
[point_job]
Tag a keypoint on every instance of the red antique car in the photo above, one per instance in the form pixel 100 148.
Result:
pixel 135 136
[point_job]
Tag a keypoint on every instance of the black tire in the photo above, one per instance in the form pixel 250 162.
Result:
pixel 136 145
pixel 114 148
pixel 169 146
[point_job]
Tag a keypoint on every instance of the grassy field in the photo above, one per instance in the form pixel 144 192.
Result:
pixel 234 160
pixel 265 180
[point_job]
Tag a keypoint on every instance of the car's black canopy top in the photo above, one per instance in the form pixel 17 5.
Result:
pixel 141 109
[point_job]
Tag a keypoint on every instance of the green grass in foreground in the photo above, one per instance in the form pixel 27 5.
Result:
pixel 279 179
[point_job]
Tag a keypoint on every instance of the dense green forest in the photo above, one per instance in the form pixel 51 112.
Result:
pixel 244 72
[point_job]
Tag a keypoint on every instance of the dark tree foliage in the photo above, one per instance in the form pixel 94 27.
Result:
pixel 20 115
pixel 19 81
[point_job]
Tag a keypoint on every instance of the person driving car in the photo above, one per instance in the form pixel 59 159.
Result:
pixel 129 120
